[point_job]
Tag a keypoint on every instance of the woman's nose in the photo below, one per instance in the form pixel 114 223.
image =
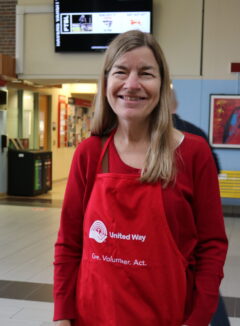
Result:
pixel 132 81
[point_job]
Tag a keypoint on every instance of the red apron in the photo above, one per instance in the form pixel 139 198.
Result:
pixel 131 271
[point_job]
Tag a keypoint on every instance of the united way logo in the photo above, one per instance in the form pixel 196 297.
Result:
pixel 98 231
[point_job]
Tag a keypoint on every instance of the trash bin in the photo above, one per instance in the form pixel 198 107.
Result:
pixel 29 172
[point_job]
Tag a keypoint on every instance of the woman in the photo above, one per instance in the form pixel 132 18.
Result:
pixel 142 239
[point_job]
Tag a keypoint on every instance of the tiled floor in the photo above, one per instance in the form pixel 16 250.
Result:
pixel 28 228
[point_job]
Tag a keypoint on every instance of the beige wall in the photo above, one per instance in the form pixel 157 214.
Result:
pixel 221 38
pixel 35 2
pixel 177 26
pixel 40 60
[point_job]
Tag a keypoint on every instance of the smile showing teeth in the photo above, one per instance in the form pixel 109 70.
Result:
pixel 131 98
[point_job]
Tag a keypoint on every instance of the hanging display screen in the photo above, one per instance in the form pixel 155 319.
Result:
pixel 89 25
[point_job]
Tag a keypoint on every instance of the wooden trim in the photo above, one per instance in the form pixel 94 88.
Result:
pixel 7 66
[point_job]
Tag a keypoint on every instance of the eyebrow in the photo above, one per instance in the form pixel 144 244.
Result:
pixel 119 67
pixel 142 68
pixel 148 68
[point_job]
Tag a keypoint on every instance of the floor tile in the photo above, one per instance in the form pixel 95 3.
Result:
pixel 10 322
pixel 25 313
pixel 8 311
pixel 230 286
pixel 26 291
pixel 34 314
pixel 234 321
pixel 43 293
pixel 18 290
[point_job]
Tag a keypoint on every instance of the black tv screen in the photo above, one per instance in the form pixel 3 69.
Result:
pixel 89 25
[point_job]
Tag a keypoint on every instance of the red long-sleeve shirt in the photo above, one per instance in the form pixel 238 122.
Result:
pixel 193 209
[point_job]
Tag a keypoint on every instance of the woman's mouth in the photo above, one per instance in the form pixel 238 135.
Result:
pixel 131 98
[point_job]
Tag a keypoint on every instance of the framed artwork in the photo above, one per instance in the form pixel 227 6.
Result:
pixel 224 128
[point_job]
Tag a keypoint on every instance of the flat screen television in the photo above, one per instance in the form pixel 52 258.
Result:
pixel 89 25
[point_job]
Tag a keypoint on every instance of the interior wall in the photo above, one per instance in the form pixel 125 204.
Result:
pixel 221 46
pixel 221 38
pixel 194 106
pixel 40 60
pixel 177 27
pixel 35 2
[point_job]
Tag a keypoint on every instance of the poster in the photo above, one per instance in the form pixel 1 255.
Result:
pixel 225 121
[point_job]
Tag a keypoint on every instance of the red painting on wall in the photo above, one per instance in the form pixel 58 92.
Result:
pixel 225 121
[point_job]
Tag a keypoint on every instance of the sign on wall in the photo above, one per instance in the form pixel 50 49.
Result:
pixel 74 117
pixel 225 121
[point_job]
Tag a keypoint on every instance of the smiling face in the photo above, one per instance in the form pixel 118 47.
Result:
pixel 133 85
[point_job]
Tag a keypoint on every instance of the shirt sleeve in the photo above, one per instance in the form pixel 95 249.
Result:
pixel 68 247
pixel 211 249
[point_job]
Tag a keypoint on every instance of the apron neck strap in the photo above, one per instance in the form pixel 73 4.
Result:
pixel 103 159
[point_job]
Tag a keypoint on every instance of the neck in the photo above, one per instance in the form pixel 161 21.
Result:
pixel 132 132
pixel 132 143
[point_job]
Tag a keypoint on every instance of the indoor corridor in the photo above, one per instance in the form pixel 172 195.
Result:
pixel 28 230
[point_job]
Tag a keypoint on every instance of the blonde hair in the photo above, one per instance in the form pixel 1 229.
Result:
pixel 159 162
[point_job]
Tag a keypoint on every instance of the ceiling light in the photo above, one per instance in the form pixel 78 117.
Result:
pixel 84 88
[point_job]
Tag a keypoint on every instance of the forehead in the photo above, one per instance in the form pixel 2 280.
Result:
pixel 142 56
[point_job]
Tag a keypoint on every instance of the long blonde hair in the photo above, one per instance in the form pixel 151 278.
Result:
pixel 159 162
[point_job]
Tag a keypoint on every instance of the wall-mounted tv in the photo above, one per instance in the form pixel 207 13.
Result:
pixel 89 25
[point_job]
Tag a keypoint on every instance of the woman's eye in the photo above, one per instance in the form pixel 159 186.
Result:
pixel 145 73
pixel 120 72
